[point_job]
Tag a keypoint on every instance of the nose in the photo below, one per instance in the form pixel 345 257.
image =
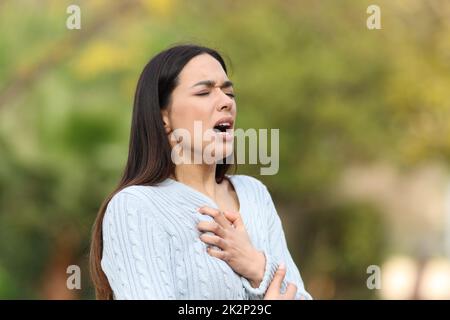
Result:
pixel 225 103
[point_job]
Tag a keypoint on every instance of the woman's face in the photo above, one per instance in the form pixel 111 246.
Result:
pixel 202 100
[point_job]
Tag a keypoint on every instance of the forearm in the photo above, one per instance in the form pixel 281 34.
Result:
pixel 259 264
pixel 258 288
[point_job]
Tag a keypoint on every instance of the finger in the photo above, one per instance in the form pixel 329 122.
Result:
pixel 275 285
pixel 234 218
pixel 211 227
pixel 216 215
pixel 214 240
pixel 222 255
pixel 291 290
pixel 231 215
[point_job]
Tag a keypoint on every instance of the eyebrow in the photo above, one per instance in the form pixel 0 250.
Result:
pixel 210 83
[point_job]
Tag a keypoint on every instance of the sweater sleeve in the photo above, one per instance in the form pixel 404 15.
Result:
pixel 135 250
pixel 276 253
pixel 269 271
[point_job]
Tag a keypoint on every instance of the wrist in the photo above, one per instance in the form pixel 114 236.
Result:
pixel 257 274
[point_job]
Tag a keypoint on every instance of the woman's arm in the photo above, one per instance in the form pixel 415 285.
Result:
pixel 256 266
pixel 278 252
pixel 135 248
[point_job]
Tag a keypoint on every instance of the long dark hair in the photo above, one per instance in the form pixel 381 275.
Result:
pixel 149 156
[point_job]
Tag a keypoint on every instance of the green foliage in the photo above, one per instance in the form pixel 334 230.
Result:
pixel 339 93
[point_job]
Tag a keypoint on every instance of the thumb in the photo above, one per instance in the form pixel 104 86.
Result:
pixel 291 290
pixel 277 280
pixel 234 218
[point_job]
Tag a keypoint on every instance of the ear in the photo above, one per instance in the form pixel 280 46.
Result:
pixel 165 118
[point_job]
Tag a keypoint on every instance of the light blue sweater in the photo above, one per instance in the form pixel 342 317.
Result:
pixel 152 249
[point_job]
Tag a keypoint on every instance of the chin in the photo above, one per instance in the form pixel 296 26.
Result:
pixel 217 152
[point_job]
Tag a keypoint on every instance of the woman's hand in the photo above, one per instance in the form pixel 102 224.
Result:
pixel 237 250
pixel 274 290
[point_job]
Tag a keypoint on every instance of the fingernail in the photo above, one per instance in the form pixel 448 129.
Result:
pixel 281 265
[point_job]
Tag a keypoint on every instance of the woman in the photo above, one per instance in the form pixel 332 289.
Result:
pixel 187 230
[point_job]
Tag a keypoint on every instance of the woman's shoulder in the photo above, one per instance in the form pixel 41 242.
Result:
pixel 130 192
pixel 244 178
pixel 134 209
pixel 134 203
pixel 250 183
pixel 135 197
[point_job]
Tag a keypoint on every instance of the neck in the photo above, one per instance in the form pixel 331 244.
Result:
pixel 201 177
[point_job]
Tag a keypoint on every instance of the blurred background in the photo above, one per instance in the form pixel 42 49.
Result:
pixel 363 114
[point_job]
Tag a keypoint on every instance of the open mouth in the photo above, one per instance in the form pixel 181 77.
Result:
pixel 222 127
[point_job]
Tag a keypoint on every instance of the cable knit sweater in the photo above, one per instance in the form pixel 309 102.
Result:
pixel 152 249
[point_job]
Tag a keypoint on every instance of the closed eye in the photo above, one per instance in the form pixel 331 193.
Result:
pixel 232 95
